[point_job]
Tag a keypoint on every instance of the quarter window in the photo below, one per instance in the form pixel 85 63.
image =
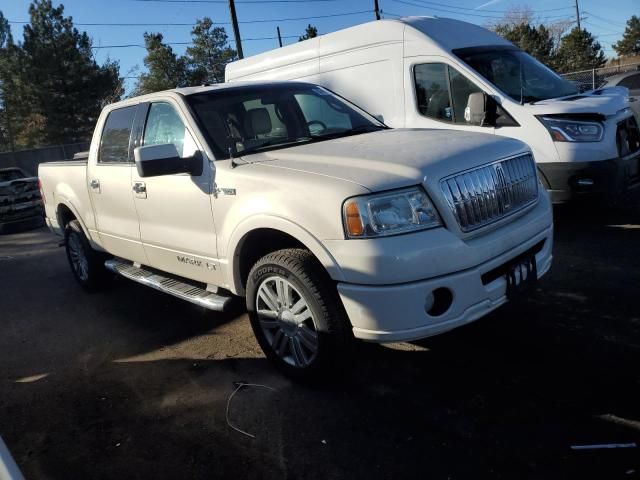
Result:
pixel 114 143
pixel 443 92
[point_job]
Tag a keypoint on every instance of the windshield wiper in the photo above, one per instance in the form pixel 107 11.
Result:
pixel 352 131
pixel 275 143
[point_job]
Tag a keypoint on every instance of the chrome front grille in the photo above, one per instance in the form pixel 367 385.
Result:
pixel 486 194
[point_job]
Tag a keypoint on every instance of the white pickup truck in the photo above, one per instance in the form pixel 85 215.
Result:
pixel 332 225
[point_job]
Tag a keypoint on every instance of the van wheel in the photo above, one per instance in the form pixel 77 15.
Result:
pixel 297 316
pixel 86 263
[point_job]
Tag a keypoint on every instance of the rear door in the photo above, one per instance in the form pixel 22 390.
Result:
pixel 175 211
pixel 109 178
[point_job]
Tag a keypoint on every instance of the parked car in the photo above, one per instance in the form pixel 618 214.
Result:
pixel 329 223
pixel 442 73
pixel 20 202
pixel 631 81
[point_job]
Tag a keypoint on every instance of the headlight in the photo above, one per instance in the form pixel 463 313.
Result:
pixel 389 213
pixel 572 130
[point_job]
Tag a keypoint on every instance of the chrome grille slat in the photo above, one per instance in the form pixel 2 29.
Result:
pixel 485 194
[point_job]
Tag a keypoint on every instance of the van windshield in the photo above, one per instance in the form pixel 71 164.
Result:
pixel 516 73
pixel 255 118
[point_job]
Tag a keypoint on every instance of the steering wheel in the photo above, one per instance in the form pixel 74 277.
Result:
pixel 317 122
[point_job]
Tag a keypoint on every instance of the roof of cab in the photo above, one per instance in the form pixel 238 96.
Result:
pixel 186 91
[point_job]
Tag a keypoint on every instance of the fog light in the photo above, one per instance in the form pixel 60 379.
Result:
pixel 442 300
pixel 585 182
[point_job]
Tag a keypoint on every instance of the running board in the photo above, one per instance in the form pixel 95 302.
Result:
pixel 177 288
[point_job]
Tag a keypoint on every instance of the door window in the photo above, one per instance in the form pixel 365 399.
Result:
pixel 443 92
pixel 114 143
pixel 164 126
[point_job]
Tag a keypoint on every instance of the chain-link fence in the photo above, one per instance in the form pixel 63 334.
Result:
pixel 595 78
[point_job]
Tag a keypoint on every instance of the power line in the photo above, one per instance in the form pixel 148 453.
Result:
pixel 461 13
pixel 270 20
pixel 225 1
pixel 129 45
pixel 611 22
pixel 483 10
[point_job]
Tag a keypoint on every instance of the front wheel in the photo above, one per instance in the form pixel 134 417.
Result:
pixel 297 316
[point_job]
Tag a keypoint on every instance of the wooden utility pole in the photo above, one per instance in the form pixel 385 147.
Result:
pixel 236 29
pixel 578 15
pixel 377 9
pixel 279 37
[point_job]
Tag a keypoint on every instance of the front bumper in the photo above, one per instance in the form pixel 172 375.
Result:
pixel 606 178
pixel 397 312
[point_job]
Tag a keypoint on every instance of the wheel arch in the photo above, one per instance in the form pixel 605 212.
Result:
pixel 261 235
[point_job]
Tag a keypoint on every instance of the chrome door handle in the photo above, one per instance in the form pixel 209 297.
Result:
pixel 139 187
pixel 95 183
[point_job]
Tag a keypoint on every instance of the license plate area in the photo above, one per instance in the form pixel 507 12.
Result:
pixel 521 275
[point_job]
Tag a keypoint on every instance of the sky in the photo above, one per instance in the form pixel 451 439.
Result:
pixel 605 19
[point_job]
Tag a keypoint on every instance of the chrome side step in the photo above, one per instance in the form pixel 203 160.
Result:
pixel 177 288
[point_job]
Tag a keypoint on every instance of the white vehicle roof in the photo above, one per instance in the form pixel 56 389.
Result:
pixel 438 34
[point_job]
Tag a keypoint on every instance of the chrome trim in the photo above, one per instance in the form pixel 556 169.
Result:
pixel 177 288
pixel 486 194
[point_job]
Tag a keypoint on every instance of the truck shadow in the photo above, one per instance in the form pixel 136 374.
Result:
pixel 138 382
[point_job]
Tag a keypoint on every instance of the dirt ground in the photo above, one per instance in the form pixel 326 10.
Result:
pixel 131 383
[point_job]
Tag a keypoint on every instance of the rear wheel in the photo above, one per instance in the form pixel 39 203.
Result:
pixel 86 263
pixel 297 316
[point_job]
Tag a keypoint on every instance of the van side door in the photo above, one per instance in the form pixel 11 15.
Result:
pixel 109 173
pixel 175 211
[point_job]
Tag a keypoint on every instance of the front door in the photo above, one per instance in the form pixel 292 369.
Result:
pixel 175 211
pixel 109 177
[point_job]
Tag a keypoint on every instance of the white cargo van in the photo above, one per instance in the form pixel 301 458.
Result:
pixel 428 72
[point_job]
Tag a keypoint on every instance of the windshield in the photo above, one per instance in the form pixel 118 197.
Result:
pixel 8 175
pixel 516 73
pixel 250 119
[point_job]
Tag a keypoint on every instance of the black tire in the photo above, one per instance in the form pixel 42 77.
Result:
pixel 309 282
pixel 86 263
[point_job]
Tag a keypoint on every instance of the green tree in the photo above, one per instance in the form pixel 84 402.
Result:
pixel 578 50
pixel 309 32
pixel 65 88
pixel 629 45
pixel 536 41
pixel 6 77
pixel 165 70
pixel 209 54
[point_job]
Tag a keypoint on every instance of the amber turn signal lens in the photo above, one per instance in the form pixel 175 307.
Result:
pixel 354 222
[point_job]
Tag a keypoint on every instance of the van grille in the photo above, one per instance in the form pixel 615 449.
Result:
pixel 486 194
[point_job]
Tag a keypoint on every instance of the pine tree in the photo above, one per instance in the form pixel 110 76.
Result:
pixel 165 70
pixel 209 54
pixel 64 88
pixel 578 50
pixel 629 45
pixel 310 32
pixel 536 41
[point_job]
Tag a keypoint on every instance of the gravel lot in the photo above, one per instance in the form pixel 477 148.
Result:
pixel 131 383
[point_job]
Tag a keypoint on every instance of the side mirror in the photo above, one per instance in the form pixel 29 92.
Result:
pixel 163 159
pixel 481 110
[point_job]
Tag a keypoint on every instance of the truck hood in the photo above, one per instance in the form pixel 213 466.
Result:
pixel 393 158
pixel 607 101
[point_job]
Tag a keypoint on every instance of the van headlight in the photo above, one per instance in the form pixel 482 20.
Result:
pixel 389 213
pixel 572 130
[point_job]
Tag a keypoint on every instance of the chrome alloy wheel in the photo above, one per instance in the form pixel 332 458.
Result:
pixel 78 257
pixel 287 322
